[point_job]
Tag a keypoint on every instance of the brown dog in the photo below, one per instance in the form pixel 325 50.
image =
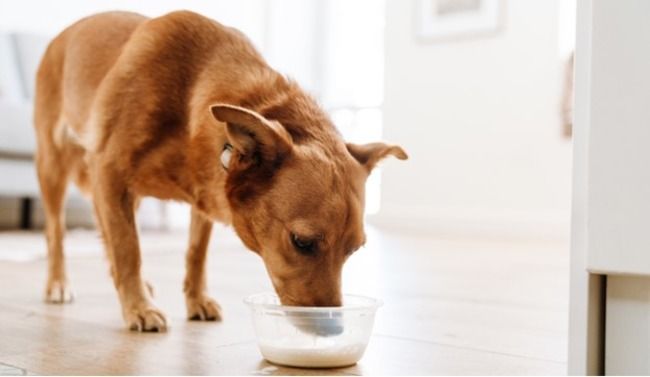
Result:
pixel 183 108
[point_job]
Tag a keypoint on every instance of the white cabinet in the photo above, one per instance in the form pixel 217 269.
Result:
pixel 609 323
pixel 619 138
pixel 627 328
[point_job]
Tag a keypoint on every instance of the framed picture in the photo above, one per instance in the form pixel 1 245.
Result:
pixel 449 19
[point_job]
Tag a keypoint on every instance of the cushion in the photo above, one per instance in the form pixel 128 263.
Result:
pixel 17 136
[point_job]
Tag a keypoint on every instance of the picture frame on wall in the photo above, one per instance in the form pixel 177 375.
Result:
pixel 453 19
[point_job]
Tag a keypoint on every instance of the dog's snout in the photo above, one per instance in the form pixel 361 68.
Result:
pixel 315 302
pixel 329 298
pixel 326 302
pixel 298 296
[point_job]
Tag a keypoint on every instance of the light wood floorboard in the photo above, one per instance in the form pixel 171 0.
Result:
pixel 452 306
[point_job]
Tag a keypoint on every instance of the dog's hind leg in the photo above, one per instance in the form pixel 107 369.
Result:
pixel 53 159
pixel 199 305
pixel 53 179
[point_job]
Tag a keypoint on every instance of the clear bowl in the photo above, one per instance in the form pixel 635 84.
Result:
pixel 313 337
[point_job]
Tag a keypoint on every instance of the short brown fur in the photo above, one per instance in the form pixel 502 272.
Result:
pixel 128 107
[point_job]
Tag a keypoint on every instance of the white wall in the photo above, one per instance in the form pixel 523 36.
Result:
pixel 479 118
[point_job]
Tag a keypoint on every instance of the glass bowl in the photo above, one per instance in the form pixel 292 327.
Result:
pixel 312 337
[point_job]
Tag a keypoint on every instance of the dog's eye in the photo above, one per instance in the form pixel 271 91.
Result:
pixel 303 245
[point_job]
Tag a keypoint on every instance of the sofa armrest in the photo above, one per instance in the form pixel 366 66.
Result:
pixel 17 136
pixel 23 182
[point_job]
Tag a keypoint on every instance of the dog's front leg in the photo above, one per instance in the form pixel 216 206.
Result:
pixel 115 210
pixel 199 305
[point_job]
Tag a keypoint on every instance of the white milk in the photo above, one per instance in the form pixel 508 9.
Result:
pixel 313 355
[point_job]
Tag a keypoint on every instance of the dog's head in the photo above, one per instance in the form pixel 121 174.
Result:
pixel 297 201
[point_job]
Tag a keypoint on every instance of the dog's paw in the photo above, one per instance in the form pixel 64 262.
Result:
pixel 145 318
pixel 58 292
pixel 203 308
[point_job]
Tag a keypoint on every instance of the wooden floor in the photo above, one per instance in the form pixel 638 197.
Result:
pixel 452 306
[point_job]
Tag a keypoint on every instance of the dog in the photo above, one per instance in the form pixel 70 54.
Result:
pixel 183 108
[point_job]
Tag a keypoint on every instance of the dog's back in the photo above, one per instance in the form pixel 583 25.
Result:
pixel 124 65
pixel 73 67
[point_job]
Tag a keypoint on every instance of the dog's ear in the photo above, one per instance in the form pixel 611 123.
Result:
pixel 250 133
pixel 369 155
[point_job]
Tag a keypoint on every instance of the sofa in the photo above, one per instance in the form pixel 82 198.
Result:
pixel 20 54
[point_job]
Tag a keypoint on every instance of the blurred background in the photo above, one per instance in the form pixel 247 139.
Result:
pixel 468 240
pixel 472 89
